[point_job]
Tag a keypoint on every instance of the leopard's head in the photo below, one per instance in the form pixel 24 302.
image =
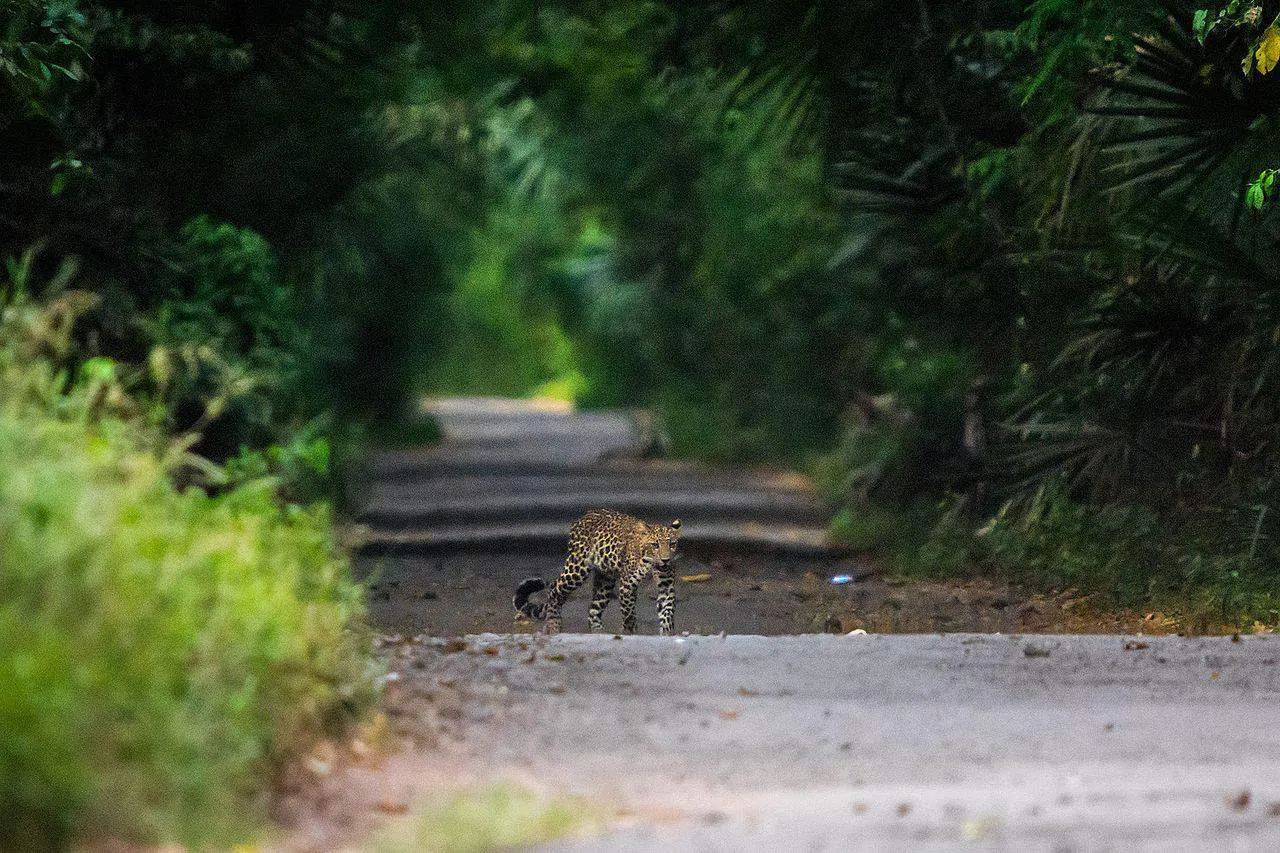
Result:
pixel 660 543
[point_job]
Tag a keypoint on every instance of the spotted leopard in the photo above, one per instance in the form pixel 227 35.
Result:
pixel 616 550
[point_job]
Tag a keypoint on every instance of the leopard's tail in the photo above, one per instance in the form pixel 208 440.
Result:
pixel 521 601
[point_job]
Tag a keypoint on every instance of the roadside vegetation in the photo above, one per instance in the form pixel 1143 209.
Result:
pixel 217 250
pixel 162 649
pixel 1000 274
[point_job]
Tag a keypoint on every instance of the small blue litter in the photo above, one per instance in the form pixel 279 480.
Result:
pixel 842 579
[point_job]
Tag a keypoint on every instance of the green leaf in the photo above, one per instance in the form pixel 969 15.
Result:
pixel 1199 24
pixel 101 369
pixel 1255 197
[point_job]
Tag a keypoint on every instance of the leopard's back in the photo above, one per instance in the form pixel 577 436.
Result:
pixel 605 539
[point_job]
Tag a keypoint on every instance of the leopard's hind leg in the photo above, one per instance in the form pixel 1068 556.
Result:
pixel 574 574
pixel 601 589
pixel 627 603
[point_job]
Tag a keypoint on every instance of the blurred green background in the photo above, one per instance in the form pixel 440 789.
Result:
pixel 998 274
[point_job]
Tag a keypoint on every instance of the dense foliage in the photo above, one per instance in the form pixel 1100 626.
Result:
pixel 224 225
pixel 162 651
pixel 259 195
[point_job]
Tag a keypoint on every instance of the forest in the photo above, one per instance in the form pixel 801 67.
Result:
pixel 996 273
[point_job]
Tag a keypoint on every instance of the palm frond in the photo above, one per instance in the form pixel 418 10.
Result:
pixel 1180 114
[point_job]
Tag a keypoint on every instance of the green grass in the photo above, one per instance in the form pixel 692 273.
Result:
pixel 163 652
pixel 499 817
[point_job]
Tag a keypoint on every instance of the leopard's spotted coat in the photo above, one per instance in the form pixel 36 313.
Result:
pixel 617 550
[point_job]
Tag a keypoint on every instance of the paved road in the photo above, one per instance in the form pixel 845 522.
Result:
pixel 455 527
pixel 929 742
pixel 510 475
pixel 989 742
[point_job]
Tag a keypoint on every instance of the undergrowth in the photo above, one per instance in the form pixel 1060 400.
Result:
pixel 163 650
pixel 1211 571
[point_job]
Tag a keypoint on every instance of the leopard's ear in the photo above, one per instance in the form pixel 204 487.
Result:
pixel 675 525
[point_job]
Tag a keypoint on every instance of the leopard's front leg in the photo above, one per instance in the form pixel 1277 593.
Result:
pixel 666 601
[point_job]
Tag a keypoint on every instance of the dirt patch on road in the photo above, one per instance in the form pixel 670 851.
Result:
pixel 739 594
pixel 976 605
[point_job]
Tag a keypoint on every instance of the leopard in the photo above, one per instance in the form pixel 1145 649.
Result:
pixel 618 551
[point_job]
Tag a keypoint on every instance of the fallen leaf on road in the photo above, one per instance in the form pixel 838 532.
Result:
pixel 728 715
pixel 491 650
pixel 747 691
pixel 904 809
pixel 1239 801
pixel 1133 646
pixel 391 807
pixel 695 578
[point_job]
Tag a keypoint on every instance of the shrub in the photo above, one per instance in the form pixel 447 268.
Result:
pixel 162 651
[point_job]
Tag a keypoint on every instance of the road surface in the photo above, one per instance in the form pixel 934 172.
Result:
pixel 906 742
pixel 453 528
pixel 953 741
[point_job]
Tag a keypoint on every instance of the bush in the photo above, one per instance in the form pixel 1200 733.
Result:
pixel 163 651
pixel 224 341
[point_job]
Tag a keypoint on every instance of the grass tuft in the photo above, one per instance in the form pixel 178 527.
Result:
pixel 500 817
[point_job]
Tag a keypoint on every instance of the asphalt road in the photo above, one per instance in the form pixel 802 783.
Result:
pixel 747 742
pixel 937 742
pixel 511 475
